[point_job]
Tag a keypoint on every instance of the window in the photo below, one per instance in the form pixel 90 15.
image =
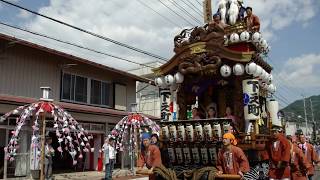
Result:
pixel 74 88
pixel 100 93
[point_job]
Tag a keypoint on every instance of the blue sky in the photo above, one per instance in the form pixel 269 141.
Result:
pixel 292 28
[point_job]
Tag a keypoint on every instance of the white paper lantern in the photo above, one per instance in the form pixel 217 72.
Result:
pixel 273 108
pixel 258 71
pixel 269 79
pixel 256 37
pixel 178 77
pixel 159 81
pixel 251 68
pixel 272 88
pixel 244 36
pixel 263 43
pixel 225 71
pixel 234 37
pixel 168 79
pixel 267 49
pixel 238 69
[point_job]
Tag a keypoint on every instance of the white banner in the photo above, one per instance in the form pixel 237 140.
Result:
pixel 251 99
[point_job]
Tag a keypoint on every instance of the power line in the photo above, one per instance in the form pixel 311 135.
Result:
pixel 195 10
pixel 73 44
pixel 199 3
pixel 185 11
pixel 89 32
pixel 285 84
pixel 194 5
pixel 141 2
pixel 176 13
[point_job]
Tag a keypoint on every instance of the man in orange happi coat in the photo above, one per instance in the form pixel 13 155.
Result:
pixel 231 159
pixel 279 153
pixel 150 154
pixel 309 153
pixel 298 163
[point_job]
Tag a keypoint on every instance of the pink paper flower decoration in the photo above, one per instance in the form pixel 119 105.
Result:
pixel 59 149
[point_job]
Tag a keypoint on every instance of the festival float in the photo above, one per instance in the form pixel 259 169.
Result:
pixel 221 65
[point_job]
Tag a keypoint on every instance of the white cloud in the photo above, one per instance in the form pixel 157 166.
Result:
pixel 132 23
pixel 24 14
pixel 302 71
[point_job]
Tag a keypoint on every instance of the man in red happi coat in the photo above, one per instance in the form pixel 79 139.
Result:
pixel 231 159
pixel 309 153
pixel 298 163
pixel 279 153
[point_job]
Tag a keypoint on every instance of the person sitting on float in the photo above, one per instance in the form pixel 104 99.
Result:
pixel 231 159
pixel 252 21
pixel 150 155
pixel 216 23
pixel 195 113
pixel 211 113
pixel 230 115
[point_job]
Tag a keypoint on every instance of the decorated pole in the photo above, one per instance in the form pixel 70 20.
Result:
pixel 45 97
pixel 43 140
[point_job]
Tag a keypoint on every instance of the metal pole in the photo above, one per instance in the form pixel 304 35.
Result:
pixel 305 113
pixel 5 165
pixel 43 136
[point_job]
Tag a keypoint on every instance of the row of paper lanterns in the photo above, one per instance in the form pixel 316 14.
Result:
pixel 265 79
pixel 256 38
pixel 169 80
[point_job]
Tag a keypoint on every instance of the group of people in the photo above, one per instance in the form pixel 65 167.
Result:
pixel 252 21
pixel 290 157
pixel 212 113
pixel 150 155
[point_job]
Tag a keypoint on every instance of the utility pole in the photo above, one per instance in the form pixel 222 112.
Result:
pixel 314 123
pixel 305 113
pixel 312 111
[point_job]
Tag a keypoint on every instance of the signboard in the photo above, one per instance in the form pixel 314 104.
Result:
pixel 165 102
